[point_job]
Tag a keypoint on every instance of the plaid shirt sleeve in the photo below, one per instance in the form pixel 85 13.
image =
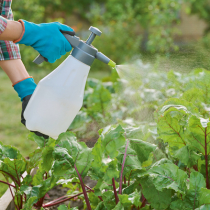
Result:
pixel 3 24
pixel 8 49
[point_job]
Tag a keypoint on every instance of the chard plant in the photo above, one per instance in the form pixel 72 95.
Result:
pixel 137 165
pixel 114 162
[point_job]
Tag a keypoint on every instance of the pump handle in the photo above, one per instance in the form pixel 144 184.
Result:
pixel 68 35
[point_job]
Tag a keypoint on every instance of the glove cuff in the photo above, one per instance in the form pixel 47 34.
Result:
pixel 29 35
pixel 21 36
pixel 25 87
pixel 20 81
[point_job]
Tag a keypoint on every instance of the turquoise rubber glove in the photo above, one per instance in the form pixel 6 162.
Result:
pixel 46 38
pixel 25 87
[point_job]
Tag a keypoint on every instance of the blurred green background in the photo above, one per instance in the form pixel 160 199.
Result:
pixel 172 29
pixel 170 34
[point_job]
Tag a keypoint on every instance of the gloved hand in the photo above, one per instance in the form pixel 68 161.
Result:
pixel 46 38
pixel 23 121
pixel 25 89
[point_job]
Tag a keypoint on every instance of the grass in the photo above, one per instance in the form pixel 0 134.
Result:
pixel 12 132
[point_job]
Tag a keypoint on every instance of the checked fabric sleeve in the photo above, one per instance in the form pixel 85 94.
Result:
pixel 8 49
pixel 3 24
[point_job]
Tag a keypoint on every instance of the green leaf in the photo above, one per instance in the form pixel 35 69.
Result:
pixel 111 171
pixel 158 199
pixel 180 204
pixel 41 141
pixel 179 104
pixel 27 180
pixel 186 156
pixel 98 101
pixel 168 176
pixel 119 206
pixel 195 96
pixel 204 196
pixel 62 168
pixel 108 199
pixel 147 207
pixel 68 181
pixel 14 167
pixel 47 158
pixel 28 205
pixel 199 138
pixel 142 149
pixel 34 159
pixel 131 162
pixel 101 206
pixel 204 207
pixel 112 140
pixel 63 207
pixel 191 200
pixel 197 182
pixel 79 122
pixel 134 133
pixel 104 152
pixel 30 191
pixel 94 200
pixel 70 153
pixel 46 185
pixel 171 125
pixel 128 200
pixel 7 151
pixel 102 186
pixel 99 167
pixel 131 188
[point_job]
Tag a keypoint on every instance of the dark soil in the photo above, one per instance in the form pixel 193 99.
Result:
pixel 59 191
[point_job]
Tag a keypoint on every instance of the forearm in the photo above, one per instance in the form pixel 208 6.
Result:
pixel 12 32
pixel 15 70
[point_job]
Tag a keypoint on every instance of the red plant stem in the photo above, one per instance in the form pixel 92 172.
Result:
pixel 124 180
pixel 83 189
pixel 12 194
pixel 195 167
pixel 39 203
pixel 41 200
pixel 62 201
pixel 115 191
pixel 21 202
pixel 12 177
pixel 129 178
pixel 58 199
pixel 93 191
pixel 8 184
pixel 206 161
pixel 18 178
pixel 123 165
pixel 143 202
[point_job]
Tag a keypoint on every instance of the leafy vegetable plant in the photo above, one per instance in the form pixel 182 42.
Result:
pixel 137 165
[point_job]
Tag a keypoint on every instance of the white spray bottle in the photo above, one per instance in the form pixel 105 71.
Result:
pixel 58 97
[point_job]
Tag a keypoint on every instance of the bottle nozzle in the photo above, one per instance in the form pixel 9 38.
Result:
pixel 112 63
pixel 100 56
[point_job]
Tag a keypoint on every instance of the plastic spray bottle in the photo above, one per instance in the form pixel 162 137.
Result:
pixel 58 97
